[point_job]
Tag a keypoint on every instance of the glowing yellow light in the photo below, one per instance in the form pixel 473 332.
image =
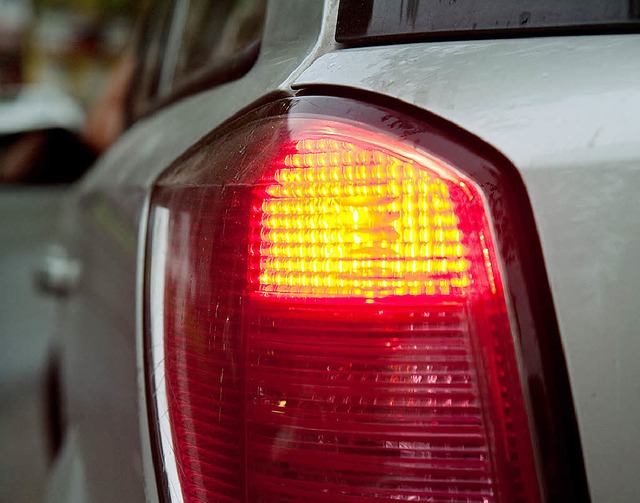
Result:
pixel 341 219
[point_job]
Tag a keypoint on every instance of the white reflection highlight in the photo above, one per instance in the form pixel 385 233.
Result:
pixel 158 267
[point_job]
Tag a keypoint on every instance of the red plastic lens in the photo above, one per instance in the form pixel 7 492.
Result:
pixel 334 325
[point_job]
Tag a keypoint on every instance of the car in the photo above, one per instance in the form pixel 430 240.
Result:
pixel 360 250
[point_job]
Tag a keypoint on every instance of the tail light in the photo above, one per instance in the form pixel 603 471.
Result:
pixel 327 318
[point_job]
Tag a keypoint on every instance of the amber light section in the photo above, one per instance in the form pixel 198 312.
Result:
pixel 341 219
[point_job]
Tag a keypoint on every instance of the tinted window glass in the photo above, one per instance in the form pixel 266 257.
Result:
pixel 217 34
pixel 363 20
pixel 153 39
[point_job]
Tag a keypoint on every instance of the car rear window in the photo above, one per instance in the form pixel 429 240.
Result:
pixel 216 34
pixel 371 20
pixel 189 46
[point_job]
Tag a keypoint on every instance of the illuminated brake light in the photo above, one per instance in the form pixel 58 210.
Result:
pixel 329 324
pixel 370 266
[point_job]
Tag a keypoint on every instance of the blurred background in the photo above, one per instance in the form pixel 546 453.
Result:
pixel 57 61
pixel 66 44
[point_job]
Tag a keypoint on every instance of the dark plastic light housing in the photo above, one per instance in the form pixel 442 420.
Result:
pixel 327 316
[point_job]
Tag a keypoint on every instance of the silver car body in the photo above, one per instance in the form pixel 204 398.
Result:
pixel 564 110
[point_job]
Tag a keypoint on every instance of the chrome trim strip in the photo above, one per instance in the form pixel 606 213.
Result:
pixel 159 243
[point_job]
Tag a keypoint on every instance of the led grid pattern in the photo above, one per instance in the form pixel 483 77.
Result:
pixel 341 219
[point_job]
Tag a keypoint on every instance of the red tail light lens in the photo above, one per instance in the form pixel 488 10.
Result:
pixel 329 323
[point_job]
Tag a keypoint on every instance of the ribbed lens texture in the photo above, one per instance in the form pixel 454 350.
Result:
pixel 335 330
pixel 372 396
pixel 342 220
pixel 203 353
pixel 355 403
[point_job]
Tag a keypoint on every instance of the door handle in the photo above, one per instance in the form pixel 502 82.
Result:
pixel 58 274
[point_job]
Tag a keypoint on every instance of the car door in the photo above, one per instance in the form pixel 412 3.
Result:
pixel 40 156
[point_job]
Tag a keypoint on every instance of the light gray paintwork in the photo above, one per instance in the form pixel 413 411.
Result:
pixel 27 223
pixel 67 482
pixel 563 110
